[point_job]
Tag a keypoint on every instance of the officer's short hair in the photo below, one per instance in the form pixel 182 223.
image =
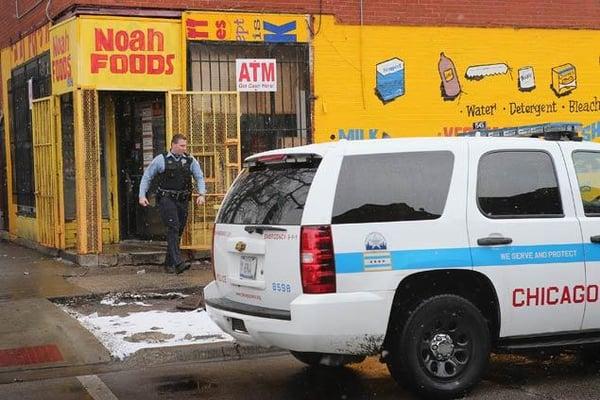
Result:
pixel 177 137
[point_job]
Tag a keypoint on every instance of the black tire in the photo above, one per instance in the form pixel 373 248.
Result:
pixel 312 359
pixel 457 331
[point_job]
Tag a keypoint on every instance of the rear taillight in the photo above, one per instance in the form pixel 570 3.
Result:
pixel 317 264
pixel 212 250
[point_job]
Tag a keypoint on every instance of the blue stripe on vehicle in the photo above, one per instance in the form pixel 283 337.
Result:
pixel 481 256
pixel 592 251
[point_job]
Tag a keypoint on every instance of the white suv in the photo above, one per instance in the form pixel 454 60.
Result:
pixel 430 252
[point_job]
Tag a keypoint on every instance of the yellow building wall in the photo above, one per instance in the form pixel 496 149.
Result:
pixel 351 104
pixel 71 233
pixel 25 227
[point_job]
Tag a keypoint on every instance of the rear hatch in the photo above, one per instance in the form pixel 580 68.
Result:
pixel 256 249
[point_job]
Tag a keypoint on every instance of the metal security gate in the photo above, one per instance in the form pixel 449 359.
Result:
pixel 211 121
pixel 87 172
pixel 268 120
pixel 47 173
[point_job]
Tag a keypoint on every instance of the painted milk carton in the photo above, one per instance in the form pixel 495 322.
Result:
pixel 390 79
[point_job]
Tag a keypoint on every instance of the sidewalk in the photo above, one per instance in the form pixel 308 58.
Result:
pixel 25 273
pixel 58 315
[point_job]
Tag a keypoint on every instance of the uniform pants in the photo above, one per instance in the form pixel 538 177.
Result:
pixel 174 216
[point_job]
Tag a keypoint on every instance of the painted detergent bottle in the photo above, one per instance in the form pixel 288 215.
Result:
pixel 449 77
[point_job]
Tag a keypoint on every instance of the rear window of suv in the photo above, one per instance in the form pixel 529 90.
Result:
pixel 272 194
pixel 392 187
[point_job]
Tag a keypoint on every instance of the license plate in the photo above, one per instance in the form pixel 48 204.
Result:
pixel 248 267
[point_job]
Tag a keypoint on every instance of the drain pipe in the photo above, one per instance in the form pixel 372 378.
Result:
pixel 362 79
pixel 48 10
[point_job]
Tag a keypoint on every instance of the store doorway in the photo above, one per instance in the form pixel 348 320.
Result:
pixel 140 136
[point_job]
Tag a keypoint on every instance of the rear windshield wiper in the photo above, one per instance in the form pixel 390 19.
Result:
pixel 261 228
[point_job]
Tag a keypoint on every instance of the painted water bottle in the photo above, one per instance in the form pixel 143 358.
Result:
pixel 449 77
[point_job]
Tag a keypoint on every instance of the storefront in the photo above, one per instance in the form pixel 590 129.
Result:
pixel 101 96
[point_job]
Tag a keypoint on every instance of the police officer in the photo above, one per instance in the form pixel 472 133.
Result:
pixel 174 169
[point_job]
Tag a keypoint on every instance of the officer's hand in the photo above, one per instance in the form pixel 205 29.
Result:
pixel 144 202
pixel 200 200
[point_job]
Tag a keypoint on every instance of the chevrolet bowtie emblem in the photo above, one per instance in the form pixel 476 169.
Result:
pixel 240 246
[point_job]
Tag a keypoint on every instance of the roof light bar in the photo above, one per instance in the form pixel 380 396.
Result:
pixel 549 131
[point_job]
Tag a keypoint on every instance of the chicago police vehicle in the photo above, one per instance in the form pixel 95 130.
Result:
pixel 429 251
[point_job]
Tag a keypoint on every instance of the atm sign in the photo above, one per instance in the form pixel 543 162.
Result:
pixel 256 74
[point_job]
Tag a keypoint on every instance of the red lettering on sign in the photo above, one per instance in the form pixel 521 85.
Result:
pixel 97 62
pixel 123 41
pixel 254 66
pixel 61 60
pixel 152 40
pixel 138 64
pixel 244 73
pixel 104 42
pixel 221 32
pixel 193 32
pixel 118 64
pixel 160 40
pixel 170 64
pixel 152 64
pixel 156 64
pixel 268 72
pixel 137 41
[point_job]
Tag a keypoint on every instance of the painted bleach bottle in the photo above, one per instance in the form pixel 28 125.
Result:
pixel 449 77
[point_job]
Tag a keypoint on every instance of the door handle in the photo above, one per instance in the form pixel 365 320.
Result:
pixel 493 240
pixel 595 239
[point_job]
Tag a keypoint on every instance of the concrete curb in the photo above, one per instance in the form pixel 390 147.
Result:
pixel 224 351
pixel 160 356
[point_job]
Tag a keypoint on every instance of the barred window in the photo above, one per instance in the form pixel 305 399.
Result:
pixel 38 71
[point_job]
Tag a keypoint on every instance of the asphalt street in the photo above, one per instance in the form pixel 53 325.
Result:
pixel 282 377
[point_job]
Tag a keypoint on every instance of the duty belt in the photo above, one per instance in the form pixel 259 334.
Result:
pixel 180 195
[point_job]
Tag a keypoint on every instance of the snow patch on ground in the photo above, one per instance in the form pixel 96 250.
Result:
pixel 124 335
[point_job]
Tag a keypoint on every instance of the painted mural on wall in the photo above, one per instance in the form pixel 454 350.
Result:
pixel 462 78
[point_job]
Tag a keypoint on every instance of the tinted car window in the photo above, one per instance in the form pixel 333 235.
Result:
pixel 518 184
pixel 392 187
pixel 269 195
pixel 587 168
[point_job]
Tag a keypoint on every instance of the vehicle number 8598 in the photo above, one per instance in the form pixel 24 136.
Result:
pixel 281 287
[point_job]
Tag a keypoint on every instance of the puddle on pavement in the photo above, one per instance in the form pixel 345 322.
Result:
pixel 123 303
pixel 186 384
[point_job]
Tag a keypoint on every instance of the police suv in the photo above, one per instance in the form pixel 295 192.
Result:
pixel 429 251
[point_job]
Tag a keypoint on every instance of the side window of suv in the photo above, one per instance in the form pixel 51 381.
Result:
pixel 392 187
pixel 587 168
pixel 518 184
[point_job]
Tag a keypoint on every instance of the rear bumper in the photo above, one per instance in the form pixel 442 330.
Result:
pixel 339 323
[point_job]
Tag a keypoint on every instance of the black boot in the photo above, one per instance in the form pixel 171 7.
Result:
pixel 181 267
